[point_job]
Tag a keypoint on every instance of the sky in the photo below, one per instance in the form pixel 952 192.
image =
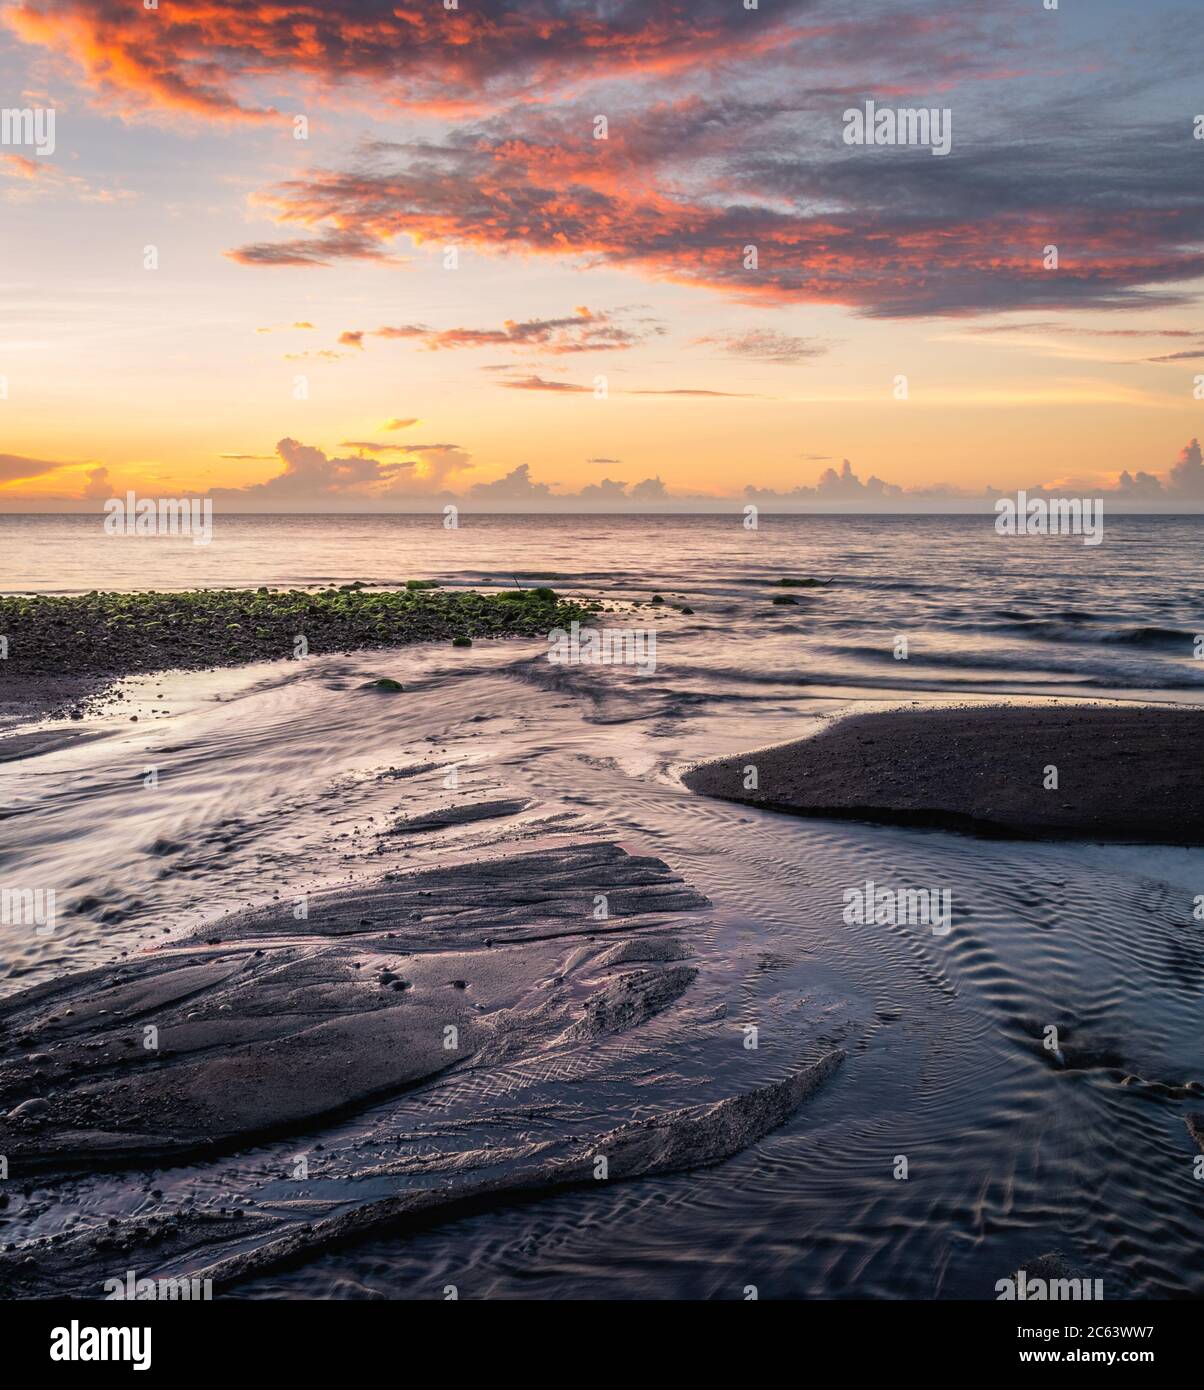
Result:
pixel 358 255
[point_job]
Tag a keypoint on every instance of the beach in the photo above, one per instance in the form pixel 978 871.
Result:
pixel 300 874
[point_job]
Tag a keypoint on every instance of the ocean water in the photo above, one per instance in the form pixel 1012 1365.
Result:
pixel 980 611
pixel 271 782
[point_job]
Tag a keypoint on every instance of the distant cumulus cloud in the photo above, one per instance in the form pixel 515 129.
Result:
pixel 99 484
pixel 516 486
pixel 431 474
pixel 832 486
pixel 1183 483
pixel 650 490
pixel 309 476
pixel 608 490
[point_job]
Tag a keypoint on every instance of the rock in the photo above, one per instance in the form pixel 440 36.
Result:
pixel 30 1109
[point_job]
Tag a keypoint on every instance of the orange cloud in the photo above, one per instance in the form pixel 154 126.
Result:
pixel 199 58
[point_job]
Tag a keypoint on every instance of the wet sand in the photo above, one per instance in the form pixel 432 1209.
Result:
pixel 1127 774
pixel 279 1030
pixel 273 1024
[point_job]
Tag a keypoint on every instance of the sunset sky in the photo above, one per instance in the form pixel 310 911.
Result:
pixel 624 258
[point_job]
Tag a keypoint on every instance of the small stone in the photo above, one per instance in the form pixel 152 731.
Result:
pixel 30 1109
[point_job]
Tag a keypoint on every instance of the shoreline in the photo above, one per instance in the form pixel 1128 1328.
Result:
pixel 1000 771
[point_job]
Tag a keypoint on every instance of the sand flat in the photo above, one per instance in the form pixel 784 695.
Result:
pixel 1122 773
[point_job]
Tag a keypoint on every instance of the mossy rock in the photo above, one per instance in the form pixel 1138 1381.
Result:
pixel 385 684
pixel 461 641
pixel 114 634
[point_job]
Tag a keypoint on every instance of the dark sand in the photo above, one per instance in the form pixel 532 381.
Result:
pixel 272 1023
pixel 268 1025
pixel 227 1248
pixel 1123 773
pixel 24 697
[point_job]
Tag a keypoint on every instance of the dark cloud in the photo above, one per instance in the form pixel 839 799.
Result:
pixel 891 232
pixel 584 330
pixel 539 383
pixel 694 391
pixel 13 467
pixel 767 345
pixel 311 251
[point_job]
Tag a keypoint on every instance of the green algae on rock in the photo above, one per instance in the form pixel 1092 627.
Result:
pixel 114 634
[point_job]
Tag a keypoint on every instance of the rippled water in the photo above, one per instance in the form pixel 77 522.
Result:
pixel 980 611
pixel 269 783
